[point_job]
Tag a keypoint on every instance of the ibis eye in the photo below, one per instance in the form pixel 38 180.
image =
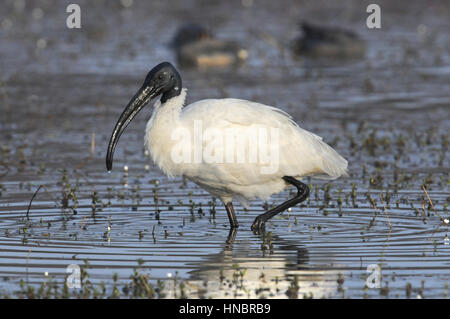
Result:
pixel 171 77
pixel 161 77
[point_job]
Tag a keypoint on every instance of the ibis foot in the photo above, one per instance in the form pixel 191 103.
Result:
pixel 302 194
pixel 259 224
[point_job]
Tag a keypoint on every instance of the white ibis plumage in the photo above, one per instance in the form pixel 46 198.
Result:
pixel 197 133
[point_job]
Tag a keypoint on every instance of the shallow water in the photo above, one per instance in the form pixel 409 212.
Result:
pixel 387 114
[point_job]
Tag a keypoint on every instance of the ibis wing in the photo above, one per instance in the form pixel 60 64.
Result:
pixel 293 151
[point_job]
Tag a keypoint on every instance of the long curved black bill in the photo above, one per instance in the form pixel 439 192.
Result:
pixel 139 100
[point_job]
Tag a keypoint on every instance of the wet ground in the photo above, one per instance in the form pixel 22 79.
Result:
pixel 62 91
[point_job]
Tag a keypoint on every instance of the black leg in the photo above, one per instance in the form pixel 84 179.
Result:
pixel 231 215
pixel 302 194
pixel 230 240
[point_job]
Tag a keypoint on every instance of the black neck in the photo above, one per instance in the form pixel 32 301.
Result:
pixel 170 94
pixel 174 91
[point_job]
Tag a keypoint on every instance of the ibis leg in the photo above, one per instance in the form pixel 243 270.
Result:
pixel 231 215
pixel 302 194
pixel 230 240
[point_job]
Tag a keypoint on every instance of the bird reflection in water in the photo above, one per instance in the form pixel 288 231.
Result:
pixel 279 269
